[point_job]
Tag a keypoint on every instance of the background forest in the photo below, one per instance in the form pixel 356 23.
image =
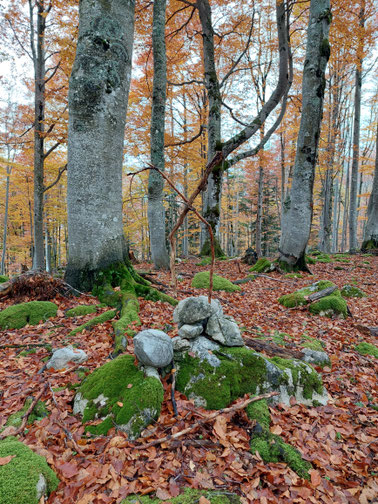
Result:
pixel 37 57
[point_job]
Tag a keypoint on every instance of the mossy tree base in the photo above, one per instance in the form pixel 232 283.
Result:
pixel 206 248
pixel 369 245
pixel 290 264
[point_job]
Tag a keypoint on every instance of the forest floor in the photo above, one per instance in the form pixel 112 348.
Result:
pixel 339 439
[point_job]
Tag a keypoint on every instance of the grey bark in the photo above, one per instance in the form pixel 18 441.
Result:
pixel 370 240
pixel 5 231
pixel 297 215
pixel 212 195
pixel 98 97
pixel 156 212
pixel 259 211
pixel 38 52
pixel 356 144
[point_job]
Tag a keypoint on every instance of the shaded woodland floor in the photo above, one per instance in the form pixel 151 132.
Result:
pixel 339 439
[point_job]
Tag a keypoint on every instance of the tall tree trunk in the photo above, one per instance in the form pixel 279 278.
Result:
pixel 5 232
pixel 259 209
pixel 212 195
pixel 98 96
pixel 156 212
pixel 297 216
pixel 38 51
pixel 370 240
pixel 356 141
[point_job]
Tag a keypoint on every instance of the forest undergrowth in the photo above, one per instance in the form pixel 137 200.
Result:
pixel 340 439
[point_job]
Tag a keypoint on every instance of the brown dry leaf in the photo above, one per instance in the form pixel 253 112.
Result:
pixel 220 427
pixel 6 460
pixel 315 477
pixel 203 500
pixel 276 429
pixel 163 494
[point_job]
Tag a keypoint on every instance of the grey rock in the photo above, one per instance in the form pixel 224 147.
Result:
pixel 41 487
pixel 62 356
pixel 224 330
pixel 195 309
pixel 316 357
pixel 180 344
pixel 153 348
pixel 201 347
pixel 151 372
pixel 190 331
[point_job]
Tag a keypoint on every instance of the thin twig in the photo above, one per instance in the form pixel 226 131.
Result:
pixel 25 416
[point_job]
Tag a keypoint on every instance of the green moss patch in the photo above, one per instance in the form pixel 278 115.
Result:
pixel 189 496
pixel 80 310
pixel 119 393
pixel 292 300
pixel 312 344
pixel 3 278
pixel 19 478
pixel 293 275
pixel 242 371
pixel 39 411
pixel 17 316
pixel 367 349
pixel 202 281
pixel 100 319
pixel 349 291
pixel 272 448
pixel 262 266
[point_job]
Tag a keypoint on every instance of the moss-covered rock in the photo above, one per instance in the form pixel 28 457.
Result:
pixel 329 306
pixel 80 310
pixel 189 496
pixel 3 278
pixel 367 349
pixel 119 394
pixel 323 258
pixel 39 411
pixel 202 281
pixel 241 371
pixel 312 344
pixel 316 287
pixel 17 316
pixel 262 266
pixel 292 300
pixel 352 291
pixel 27 477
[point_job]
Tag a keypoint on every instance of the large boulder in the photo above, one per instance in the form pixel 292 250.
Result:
pixel 17 316
pixel 61 358
pixel 243 371
pixel 153 348
pixel 120 394
pixel 26 478
pixel 195 309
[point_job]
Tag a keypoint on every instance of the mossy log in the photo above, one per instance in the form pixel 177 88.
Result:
pixel 273 350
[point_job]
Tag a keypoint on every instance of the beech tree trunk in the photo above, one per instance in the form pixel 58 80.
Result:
pixel 98 95
pixel 356 142
pixel 38 52
pixel 297 215
pixel 156 212
pixel 370 240
pixel 212 195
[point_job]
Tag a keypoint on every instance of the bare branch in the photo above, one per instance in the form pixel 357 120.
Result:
pixel 61 171
pixel 187 141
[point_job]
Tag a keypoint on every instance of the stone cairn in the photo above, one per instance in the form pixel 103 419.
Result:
pixel 202 327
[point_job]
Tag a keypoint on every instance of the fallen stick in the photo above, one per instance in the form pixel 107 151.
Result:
pixel 273 349
pixel 23 345
pixel 215 414
pixel 25 416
